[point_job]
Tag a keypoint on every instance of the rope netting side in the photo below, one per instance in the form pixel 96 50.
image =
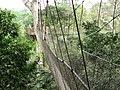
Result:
pixel 79 68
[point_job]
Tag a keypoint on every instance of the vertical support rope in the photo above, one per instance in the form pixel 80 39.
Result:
pixel 99 12
pixel 80 44
pixel 44 26
pixel 65 43
pixel 114 12
pixel 58 41
pixel 39 7
pixel 56 34
pixel 68 25
pixel 40 16
pixel 47 6
pixel 52 39
pixel 50 27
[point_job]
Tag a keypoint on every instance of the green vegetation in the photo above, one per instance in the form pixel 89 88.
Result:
pixel 18 71
pixel 14 54
pixel 107 46
pixel 19 64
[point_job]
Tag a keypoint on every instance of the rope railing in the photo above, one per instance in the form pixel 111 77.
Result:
pixel 69 67
pixel 99 58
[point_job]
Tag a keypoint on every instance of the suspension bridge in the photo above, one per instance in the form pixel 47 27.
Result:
pixel 85 71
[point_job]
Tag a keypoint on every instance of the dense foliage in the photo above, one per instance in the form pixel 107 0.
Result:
pixel 14 54
pixel 41 79
pixel 103 74
pixel 18 71
pixel 101 44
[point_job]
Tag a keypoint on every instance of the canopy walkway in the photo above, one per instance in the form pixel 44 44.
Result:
pixel 85 71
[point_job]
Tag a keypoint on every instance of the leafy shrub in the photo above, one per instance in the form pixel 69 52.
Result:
pixel 14 54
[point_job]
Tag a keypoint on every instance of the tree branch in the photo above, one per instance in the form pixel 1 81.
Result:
pixel 28 4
